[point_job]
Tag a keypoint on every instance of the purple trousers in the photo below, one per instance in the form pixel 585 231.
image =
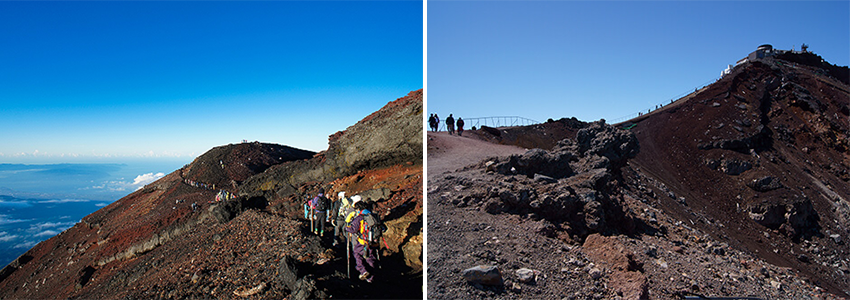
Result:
pixel 360 256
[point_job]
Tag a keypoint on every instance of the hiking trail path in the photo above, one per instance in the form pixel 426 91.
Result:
pixel 447 153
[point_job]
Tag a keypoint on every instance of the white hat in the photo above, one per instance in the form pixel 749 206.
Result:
pixel 355 199
pixel 341 195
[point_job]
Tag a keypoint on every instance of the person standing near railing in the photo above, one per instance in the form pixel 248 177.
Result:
pixel 450 124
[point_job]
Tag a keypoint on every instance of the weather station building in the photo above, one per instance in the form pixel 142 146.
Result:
pixel 763 51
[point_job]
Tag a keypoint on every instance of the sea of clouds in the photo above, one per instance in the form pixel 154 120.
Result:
pixel 127 186
pixel 38 202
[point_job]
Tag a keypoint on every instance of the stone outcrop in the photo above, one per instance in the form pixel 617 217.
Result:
pixel 596 146
pixel 797 219
pixel 576 179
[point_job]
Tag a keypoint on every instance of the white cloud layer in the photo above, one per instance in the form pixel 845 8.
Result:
pixel 26 245
pixel 4 219
pixel 120 186
pixel 63 201
pixel 47 233
pixel 144 179
pixel 5 236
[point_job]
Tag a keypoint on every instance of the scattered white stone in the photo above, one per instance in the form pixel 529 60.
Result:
pixel 661 263
pixel 595 273
pixel 526 275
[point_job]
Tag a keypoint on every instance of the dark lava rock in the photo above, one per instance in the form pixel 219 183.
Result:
pixel 735 166
pixel 486 275
pixel 596 146
pixel 578 200
pixel 491 130
pixel 764 184
pixel 797 219
pixel 761 138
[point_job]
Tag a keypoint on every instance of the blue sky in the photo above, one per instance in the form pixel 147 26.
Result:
pixel 606 59
pixel 81 81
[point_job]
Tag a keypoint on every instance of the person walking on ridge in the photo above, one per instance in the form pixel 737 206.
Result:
pixel 459 126
pixel 450 124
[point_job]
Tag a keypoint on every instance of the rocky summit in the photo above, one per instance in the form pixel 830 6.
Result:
pixel 230 225
pixel 740 189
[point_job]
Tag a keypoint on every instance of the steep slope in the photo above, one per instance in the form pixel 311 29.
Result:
pixel 737 190
pixel 761 159
pixel 174 239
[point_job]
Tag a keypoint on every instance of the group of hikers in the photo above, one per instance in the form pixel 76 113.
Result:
pixel 434 123
pixel 199 184
pixel 355 224
pixel 222 195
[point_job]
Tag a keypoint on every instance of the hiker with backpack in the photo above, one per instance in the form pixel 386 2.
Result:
pixel 308 210
pixel 320 209
pixel 364 230
pixel 340 209
pixel 459 126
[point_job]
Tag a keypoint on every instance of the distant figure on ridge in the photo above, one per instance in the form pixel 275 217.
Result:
pixel 437 121
pixel 450 124
pixel 459 126
pixel 432 122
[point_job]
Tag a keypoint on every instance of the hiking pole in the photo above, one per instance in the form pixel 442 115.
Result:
pixel 348 255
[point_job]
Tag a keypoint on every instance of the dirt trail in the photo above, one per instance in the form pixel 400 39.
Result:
pixel 450 152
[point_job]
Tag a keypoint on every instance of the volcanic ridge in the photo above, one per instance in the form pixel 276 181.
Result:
pixel 739 189
pixel 231 225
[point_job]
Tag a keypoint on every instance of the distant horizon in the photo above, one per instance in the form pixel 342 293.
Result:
pixel 46 159
pixel 103 181
pixel 110 80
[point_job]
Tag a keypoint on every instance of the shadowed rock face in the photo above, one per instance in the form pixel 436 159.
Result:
pixel 172 239
pixel 390 136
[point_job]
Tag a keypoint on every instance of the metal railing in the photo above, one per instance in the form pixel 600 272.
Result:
pixel 662 104
pixel 498 121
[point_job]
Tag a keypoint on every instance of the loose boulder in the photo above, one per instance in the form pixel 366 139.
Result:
pixel 486 275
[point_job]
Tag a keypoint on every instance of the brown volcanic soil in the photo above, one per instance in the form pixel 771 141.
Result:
pixel 698 229
pixel 805 148
pixel 455 152
pixel 153 244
